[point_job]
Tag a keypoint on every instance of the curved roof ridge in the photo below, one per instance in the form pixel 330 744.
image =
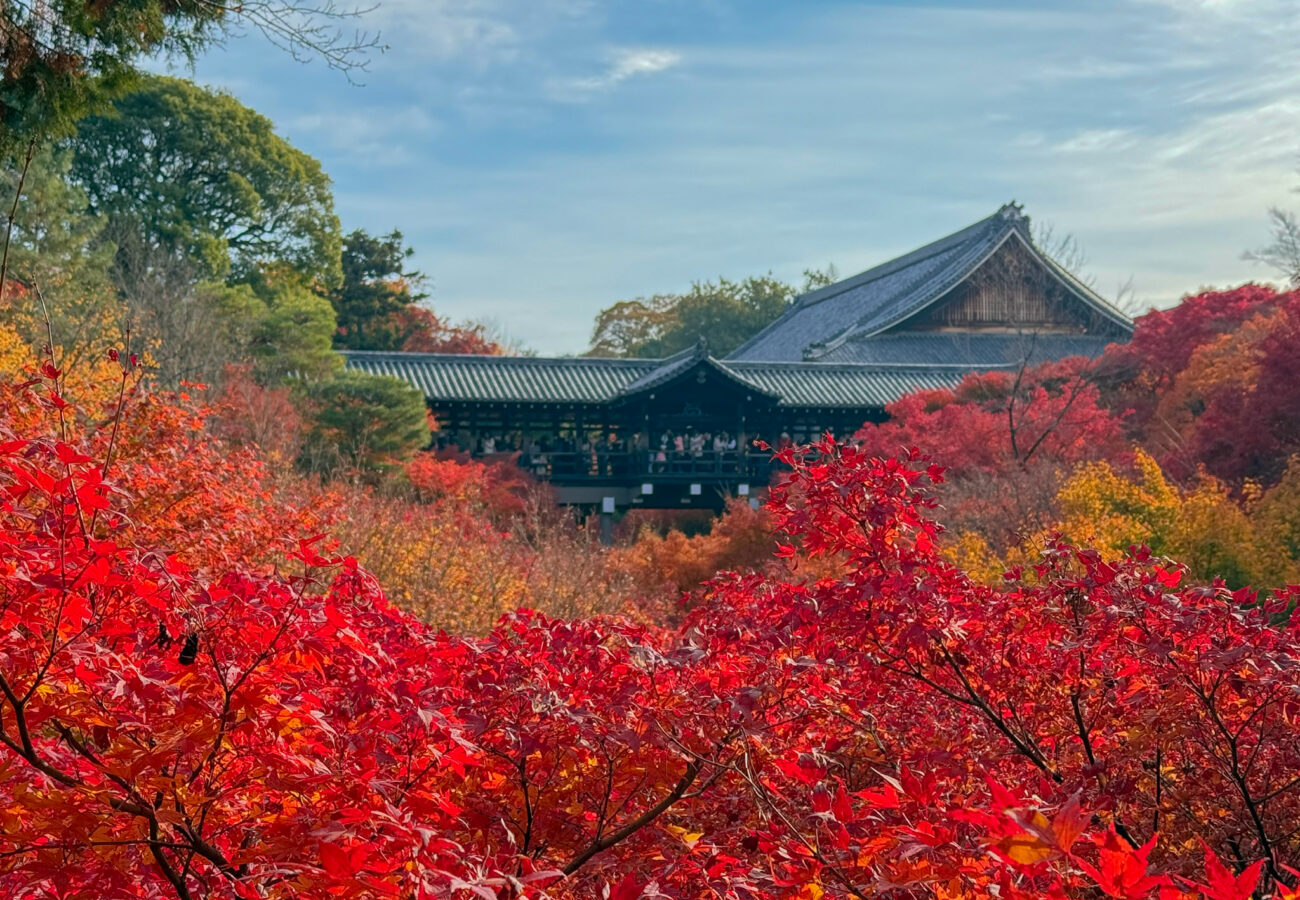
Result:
pixel 499 359
pixel 680 363
pixel 666 368
pixel 1070 282
pixel 1010 213
pixel 1009 217
pixel 934 289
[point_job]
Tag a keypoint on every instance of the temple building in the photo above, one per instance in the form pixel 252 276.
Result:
pixel 611 434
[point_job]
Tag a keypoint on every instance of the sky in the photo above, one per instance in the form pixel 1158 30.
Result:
pixel 546 158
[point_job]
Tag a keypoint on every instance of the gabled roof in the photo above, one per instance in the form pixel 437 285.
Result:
pixel 449 378
pixel 691 359
pixel 880 298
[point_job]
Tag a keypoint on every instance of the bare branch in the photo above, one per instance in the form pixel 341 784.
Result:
pixel 1284 253
pixel 306 31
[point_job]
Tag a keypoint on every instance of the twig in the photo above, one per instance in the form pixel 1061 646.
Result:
pixel 13 212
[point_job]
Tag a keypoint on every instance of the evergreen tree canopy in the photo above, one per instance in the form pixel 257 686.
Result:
pixel 64 59
pixel 376 285
pixel 367 422
pixel 182 171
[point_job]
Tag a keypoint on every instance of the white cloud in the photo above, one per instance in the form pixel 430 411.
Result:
pixel 848 133
pixel 624 63
pixel 1096 140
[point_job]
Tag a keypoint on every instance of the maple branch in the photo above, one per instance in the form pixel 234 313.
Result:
pixel 1076 391
pixel 24 747
pixel 1155 818
pixel 1023 745
pixel 124 360
pixel 169 871
pixel 1239 780
pixel 59 405
pixel 614 837
pixel 1011 407
pixel 762 793
pixel 141 807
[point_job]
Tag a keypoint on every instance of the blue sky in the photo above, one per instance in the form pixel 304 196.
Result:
pixel 548 157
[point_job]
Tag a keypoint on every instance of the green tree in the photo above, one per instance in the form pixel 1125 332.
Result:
pixel 634 327
pixel 294 327
pixel 55 248
pixel 66 58
pixel 725 313
pixel 182 172
pixel 365 422
pixel 376 286
pixel 55 237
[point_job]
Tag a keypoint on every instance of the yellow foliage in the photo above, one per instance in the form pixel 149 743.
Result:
pixel 1276 511
pixel 1203 528
pixel 83 336
pixel 451 565
pixel 14 353
pixel 970 551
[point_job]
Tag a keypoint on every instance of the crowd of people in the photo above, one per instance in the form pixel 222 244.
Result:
pixel 685 452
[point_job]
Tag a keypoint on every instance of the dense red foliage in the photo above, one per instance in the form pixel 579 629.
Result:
pixel 167 734
pixel 1208 389
pixel 1194 373
pixel 1009 437
pixel 172 726
pixel 994 421
pixel 498 486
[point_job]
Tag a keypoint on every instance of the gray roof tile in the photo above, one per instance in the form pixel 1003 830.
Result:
pixel 974 350
pixel 884 296
pixel 506 379
pixel 511 379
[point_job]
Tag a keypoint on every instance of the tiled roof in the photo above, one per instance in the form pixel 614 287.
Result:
pixel 972 349
pixel 514 379
pixel 489 379
pixel 833 348
pixel 843 386
pixel 882 297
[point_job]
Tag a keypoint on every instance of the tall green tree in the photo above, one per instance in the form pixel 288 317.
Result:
pixel 376 285
pixel 293 331
pixel 180 172
pixel 55 253
pixel 55 238
pixel 63 59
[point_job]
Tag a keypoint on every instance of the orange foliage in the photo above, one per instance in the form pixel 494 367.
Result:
pixel 498 486
pixel 740 540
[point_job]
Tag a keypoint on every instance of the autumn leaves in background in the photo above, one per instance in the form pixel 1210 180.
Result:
pixel 1183 440
pixel 201 697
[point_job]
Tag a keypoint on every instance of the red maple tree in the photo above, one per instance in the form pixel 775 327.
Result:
pixel 175 724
